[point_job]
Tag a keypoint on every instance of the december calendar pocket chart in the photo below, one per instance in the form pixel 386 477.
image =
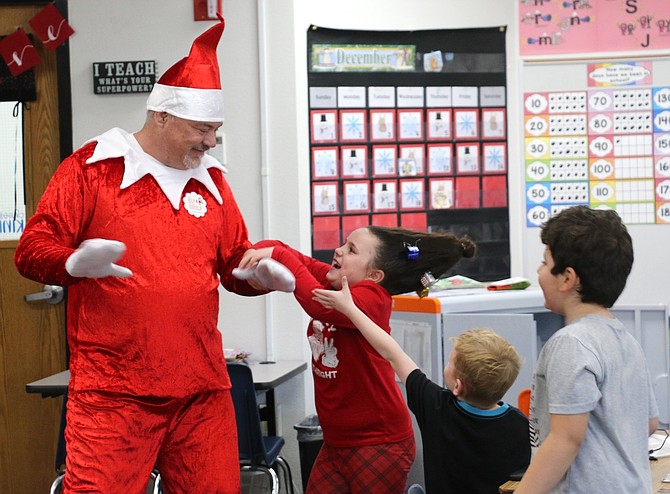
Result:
pixel 409 129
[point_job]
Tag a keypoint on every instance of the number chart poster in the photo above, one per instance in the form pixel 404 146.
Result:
pixel 554 27
pixel 603 147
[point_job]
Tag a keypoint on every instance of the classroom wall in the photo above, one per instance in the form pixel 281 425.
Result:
pixel 265 130
pixel 264 80
pixel 266 135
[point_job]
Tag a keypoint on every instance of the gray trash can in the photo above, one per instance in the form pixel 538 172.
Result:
pixel 310 439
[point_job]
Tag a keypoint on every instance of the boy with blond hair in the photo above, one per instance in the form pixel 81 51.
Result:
pixel 472 441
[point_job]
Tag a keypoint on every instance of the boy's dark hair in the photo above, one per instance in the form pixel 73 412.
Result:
pixel 596 244
pixel 437 253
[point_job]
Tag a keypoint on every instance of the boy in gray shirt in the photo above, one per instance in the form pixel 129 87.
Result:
pixel 593 404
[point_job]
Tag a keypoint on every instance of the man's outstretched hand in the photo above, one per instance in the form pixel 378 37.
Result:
pixel 95 259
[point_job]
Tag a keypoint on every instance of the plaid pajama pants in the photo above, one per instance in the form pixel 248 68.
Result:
pixel 378 469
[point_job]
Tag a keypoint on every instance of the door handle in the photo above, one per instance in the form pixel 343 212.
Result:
pixel 51 294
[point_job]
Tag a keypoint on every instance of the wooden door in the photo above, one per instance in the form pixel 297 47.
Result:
pixel 32 335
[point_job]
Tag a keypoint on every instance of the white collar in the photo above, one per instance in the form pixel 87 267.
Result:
pixel 116 143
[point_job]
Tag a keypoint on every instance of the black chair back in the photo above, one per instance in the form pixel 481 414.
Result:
pixel 252 447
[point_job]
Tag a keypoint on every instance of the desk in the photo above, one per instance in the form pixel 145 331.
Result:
pixel 267 376
pixel 659 469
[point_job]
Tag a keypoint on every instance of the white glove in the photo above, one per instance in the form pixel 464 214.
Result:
pixel 271 274
pixel 95 259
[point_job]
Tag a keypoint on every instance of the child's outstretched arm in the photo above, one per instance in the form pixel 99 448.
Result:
pixel 383 342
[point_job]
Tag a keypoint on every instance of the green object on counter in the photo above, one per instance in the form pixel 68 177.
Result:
pixel 516 283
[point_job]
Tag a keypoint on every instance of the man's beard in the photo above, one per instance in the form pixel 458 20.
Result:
pixel 190 162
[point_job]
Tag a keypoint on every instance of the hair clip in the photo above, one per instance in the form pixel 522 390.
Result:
pixel 423 293
pixel 428 280
pixel 412 251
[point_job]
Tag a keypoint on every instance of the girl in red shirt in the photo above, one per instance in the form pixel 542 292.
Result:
pixel 368 438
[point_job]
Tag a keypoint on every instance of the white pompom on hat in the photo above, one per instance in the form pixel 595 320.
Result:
pixel 191 88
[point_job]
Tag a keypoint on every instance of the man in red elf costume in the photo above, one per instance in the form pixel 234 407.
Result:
pixel 149 385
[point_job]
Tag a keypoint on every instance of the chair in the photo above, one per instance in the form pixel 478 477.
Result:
pixel 257 452
pixel 153 487
pixel 523 401
pixel 416 489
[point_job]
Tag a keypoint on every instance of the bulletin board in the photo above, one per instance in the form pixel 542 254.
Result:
pixel 569 27
pixel 598 134
pixel 409 128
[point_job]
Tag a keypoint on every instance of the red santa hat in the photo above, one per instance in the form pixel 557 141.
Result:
pixel 191 88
